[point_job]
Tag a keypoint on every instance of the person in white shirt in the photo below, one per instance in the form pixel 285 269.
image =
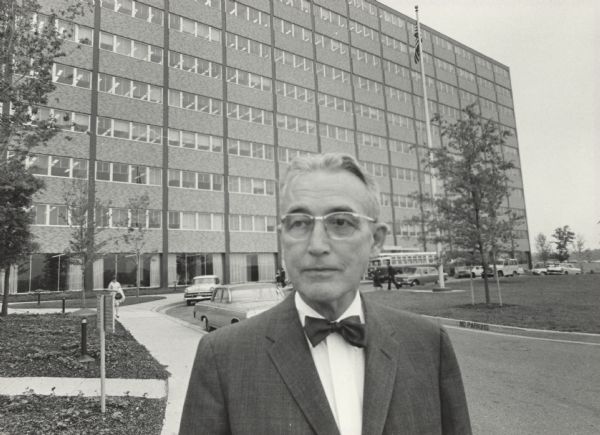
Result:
pixel 325 360
pixel 119 298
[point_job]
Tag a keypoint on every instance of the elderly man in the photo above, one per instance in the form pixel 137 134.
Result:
pixel 326 361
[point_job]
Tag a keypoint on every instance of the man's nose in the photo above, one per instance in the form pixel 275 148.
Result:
pixel 318 241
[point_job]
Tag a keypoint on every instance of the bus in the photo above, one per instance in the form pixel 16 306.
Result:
pixel 400 259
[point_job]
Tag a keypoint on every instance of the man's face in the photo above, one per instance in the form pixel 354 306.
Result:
pixel 325 271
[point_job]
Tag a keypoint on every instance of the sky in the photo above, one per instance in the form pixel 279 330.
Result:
pixel 552 48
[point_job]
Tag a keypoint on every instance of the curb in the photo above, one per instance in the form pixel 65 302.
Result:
pixel 575 337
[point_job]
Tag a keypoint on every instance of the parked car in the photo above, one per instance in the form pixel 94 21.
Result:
pixel 476 271
pixel 416 275
pixel 462 271
pixel 563 269
pixel 201 288
pixel 236 302
pixel 540 269
pixel 506 267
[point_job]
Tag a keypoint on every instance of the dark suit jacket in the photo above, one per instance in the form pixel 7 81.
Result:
pixel 258 378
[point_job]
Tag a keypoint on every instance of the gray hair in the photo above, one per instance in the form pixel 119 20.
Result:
pixel 332 162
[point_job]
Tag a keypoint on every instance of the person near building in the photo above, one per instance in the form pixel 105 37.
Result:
pixel 119 297
pixel 327 360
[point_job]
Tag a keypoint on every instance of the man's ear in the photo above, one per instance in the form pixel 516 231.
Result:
pixel 379 233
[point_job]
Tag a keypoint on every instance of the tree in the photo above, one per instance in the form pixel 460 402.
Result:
pixel 564 237
pixel 471 214
pixel 17 187
pixel 579 246
pixel 135 237
pixel 27 50
pixel 543 248
pixel 85 245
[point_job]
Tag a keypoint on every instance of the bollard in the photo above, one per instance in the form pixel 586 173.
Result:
pixel 39 297
pixel 63 305
pixel 83 336
pixel 174 286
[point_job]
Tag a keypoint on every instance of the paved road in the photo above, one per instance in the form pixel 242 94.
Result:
pixel 517 385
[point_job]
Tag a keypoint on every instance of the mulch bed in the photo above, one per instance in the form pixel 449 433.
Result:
pixel 34 414
pixel 49 345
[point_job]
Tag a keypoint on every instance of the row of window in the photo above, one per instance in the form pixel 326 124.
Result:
pixel 368 112
pixel 255 150
pixel 69 31
pixel 293 123
pixel 301 5
pixel 199 103
pixel 286 155
pixel 196 221
pixel 363 30
pixel 253 186
pixel 130 88
pixel 337 133
pixel 394 44
pixel 194 28
pixel 253 224
pixel 406 174
pixel 63 119
pixel 67 167
pixel 375 169
pixel 329 16
pixel 131 48
pixel 294 60
pixel 399 120
pixel 59 215
pixel 292 30
pixel 330 44
pixel 294 91
pixel 370 140
pixel 365 57
pixel 251 80
pixel 249 46
pixel 194 64
pixel 335 103
pixel 128 130
pixel 126 173
pixel 135 9
pixel 195 141
pixel 195 180
pixel 247 13
pixel 402 201
pixel 249 114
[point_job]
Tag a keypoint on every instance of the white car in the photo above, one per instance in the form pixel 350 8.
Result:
pixel 563 269
pixel 540 269
pixel 202 288
pixel 476 271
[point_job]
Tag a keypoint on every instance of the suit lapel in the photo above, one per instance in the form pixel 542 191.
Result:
pixel 292 358
pixel 386 373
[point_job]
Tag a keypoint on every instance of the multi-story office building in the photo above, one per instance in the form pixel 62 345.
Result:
pixel 200 104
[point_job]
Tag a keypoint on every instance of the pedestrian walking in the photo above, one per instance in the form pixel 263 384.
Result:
pixel 119 298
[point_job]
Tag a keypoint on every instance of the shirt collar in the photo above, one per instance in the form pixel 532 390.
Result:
pixel 355 309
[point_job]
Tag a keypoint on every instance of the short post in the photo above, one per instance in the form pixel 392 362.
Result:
pixel 39 295
pixel 84 358
pixel 83 336
pixel 175 285
pixel 64 305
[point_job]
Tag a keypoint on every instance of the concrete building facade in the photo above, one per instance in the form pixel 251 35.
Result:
pixel 200 104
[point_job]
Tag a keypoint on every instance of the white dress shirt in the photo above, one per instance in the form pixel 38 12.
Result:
pixel 341 368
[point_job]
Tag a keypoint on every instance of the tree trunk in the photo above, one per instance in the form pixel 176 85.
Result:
pixel 4 311
pixel 137 277
pixel 484 264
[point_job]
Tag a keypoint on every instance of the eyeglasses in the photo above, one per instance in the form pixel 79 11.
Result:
pixel 338 225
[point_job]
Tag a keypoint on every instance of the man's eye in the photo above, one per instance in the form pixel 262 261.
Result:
pixel 342 221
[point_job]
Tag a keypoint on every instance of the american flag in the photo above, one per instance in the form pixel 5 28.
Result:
pixel 417 45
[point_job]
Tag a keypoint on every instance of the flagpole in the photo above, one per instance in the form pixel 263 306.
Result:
pixel 419 47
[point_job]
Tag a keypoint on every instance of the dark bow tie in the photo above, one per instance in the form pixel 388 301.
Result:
pixel 350 328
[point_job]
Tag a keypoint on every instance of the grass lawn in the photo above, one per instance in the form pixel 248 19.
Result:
pixel 563 303
pixel 49 345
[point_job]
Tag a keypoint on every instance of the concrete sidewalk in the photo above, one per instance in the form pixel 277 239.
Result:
pixel 171 341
